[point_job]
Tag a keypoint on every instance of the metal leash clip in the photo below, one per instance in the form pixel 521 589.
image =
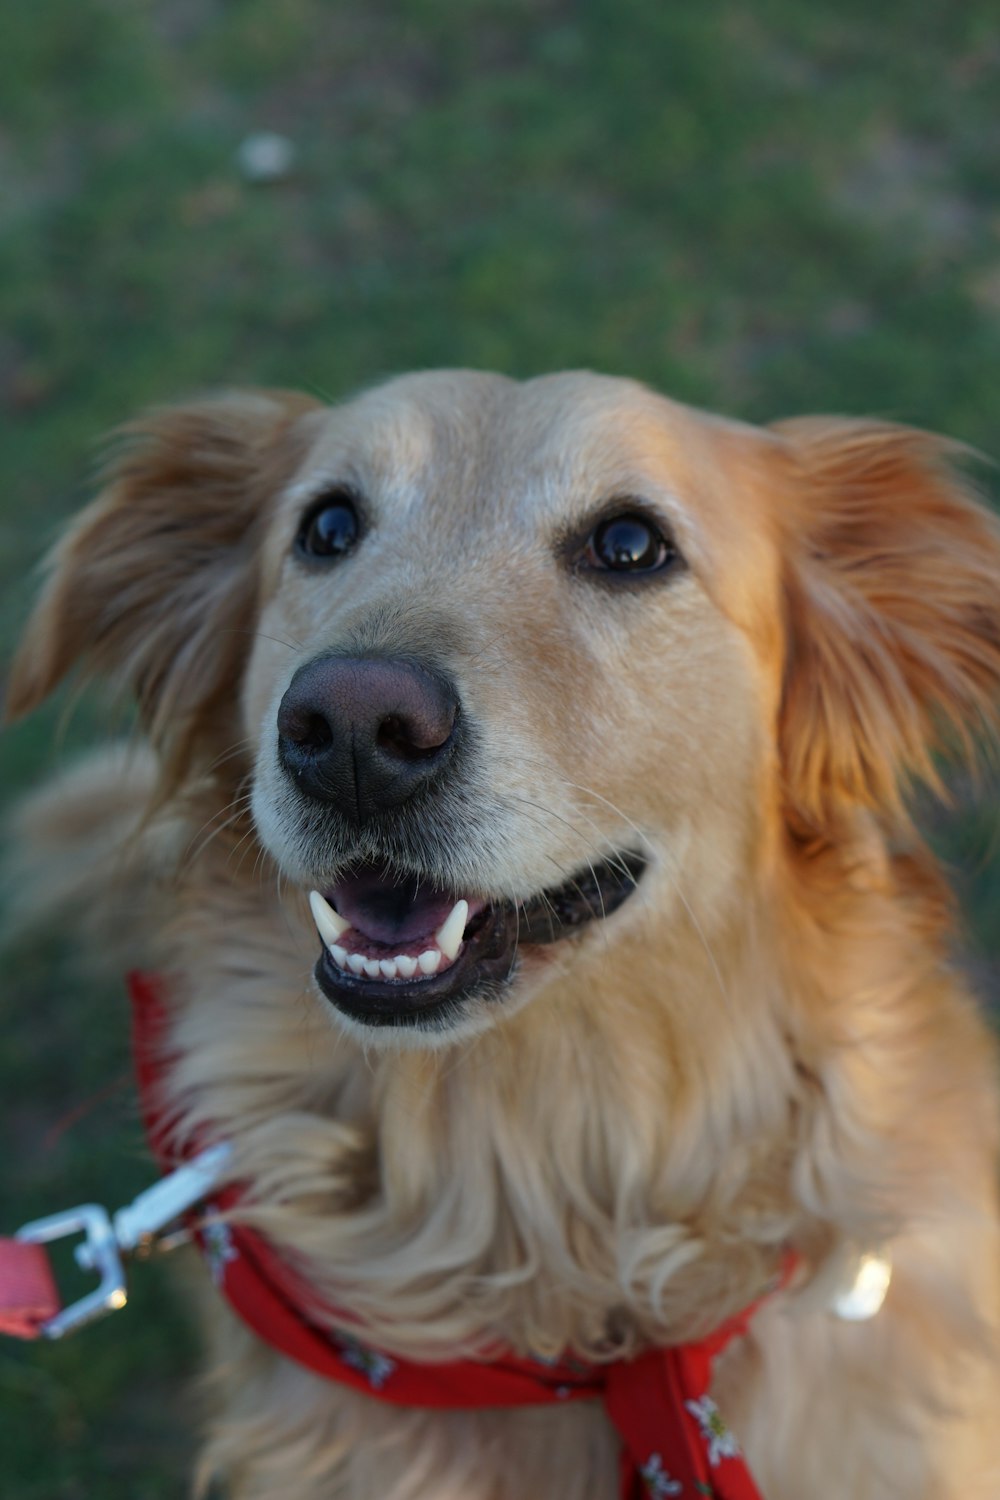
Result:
pixel 133 1230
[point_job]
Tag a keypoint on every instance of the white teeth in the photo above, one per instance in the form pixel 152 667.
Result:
pixel 449 935
pixel 332 926
pixel 329 923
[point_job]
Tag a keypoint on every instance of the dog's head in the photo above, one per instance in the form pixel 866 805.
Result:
pixel 519 668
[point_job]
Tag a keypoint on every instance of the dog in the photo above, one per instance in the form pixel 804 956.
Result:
pixel 523 833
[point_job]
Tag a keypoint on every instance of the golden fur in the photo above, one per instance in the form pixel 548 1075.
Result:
pixel 768 1045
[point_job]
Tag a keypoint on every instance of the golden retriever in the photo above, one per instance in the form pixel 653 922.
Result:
pixel 646 690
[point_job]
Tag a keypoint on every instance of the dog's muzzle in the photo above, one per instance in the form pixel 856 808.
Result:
pixel 372 745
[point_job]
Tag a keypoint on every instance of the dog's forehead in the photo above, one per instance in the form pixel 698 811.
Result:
pixel 460 439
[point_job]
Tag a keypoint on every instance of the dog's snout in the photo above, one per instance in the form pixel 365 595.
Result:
pixel 365 733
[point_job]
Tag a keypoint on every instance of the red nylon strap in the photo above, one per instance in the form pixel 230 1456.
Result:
pixel 28 1295
pixel 674 1442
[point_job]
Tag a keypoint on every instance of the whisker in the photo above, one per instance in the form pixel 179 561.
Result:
pixel 292 645
pixel 564 872
pixel 675 883
pixel 258 864
pixel 237 748
pixel 236 848
pixel 647 846
pixel 236 808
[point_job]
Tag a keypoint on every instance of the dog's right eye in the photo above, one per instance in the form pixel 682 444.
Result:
pixel 629 543
pixel 330 527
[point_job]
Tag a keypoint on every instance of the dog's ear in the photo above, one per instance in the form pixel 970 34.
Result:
pixel 893 595
pixel 155 585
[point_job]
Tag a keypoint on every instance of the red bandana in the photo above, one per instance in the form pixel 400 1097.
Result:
pixel 674 1441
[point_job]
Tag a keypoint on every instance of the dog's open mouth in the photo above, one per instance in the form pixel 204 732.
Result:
pixel 397 951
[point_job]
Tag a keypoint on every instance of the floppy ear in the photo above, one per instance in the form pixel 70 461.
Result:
pixel 893 590
pixel 156 581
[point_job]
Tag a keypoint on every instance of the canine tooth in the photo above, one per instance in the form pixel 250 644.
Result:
pixel 406 965
pixel 356 963
pixel 329 923
pixel 428 962
pixel 372 968
pixel 339 956
pixel 449 935
pixel 388 967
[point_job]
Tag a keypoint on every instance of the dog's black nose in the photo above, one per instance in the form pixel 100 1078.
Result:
pixel 365 732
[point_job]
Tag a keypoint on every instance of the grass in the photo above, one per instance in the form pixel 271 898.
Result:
pixel 767 209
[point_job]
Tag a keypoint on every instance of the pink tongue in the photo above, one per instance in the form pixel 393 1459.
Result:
pixel 391 911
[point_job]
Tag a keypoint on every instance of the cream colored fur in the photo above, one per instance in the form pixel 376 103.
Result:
pixel 767 1046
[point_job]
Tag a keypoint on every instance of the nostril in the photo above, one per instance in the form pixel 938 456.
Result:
pixel 307 728
pixel 317 733
pixel 393 736
pixel 413 738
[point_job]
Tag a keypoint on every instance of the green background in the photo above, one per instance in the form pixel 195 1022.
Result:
pixel 766 208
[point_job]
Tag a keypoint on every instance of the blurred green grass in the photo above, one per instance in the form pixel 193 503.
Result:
pixel 765 209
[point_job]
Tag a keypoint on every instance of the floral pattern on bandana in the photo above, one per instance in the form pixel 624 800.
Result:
pixel 217 1238
pixel 377 1367
pixel 658 1481
pixel 721 1442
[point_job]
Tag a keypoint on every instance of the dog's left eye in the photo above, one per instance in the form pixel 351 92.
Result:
pixel 628 543
pixel 330 527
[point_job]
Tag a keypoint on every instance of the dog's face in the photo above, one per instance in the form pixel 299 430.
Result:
pixel 525 669
pixel 495 666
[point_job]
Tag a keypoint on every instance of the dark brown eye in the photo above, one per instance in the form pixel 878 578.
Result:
pixel 628 544
pixel 330 527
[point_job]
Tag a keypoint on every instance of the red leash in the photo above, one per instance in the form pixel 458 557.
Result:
pixel 28 1295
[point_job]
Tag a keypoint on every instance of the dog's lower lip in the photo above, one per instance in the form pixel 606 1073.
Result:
pixel 488 956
